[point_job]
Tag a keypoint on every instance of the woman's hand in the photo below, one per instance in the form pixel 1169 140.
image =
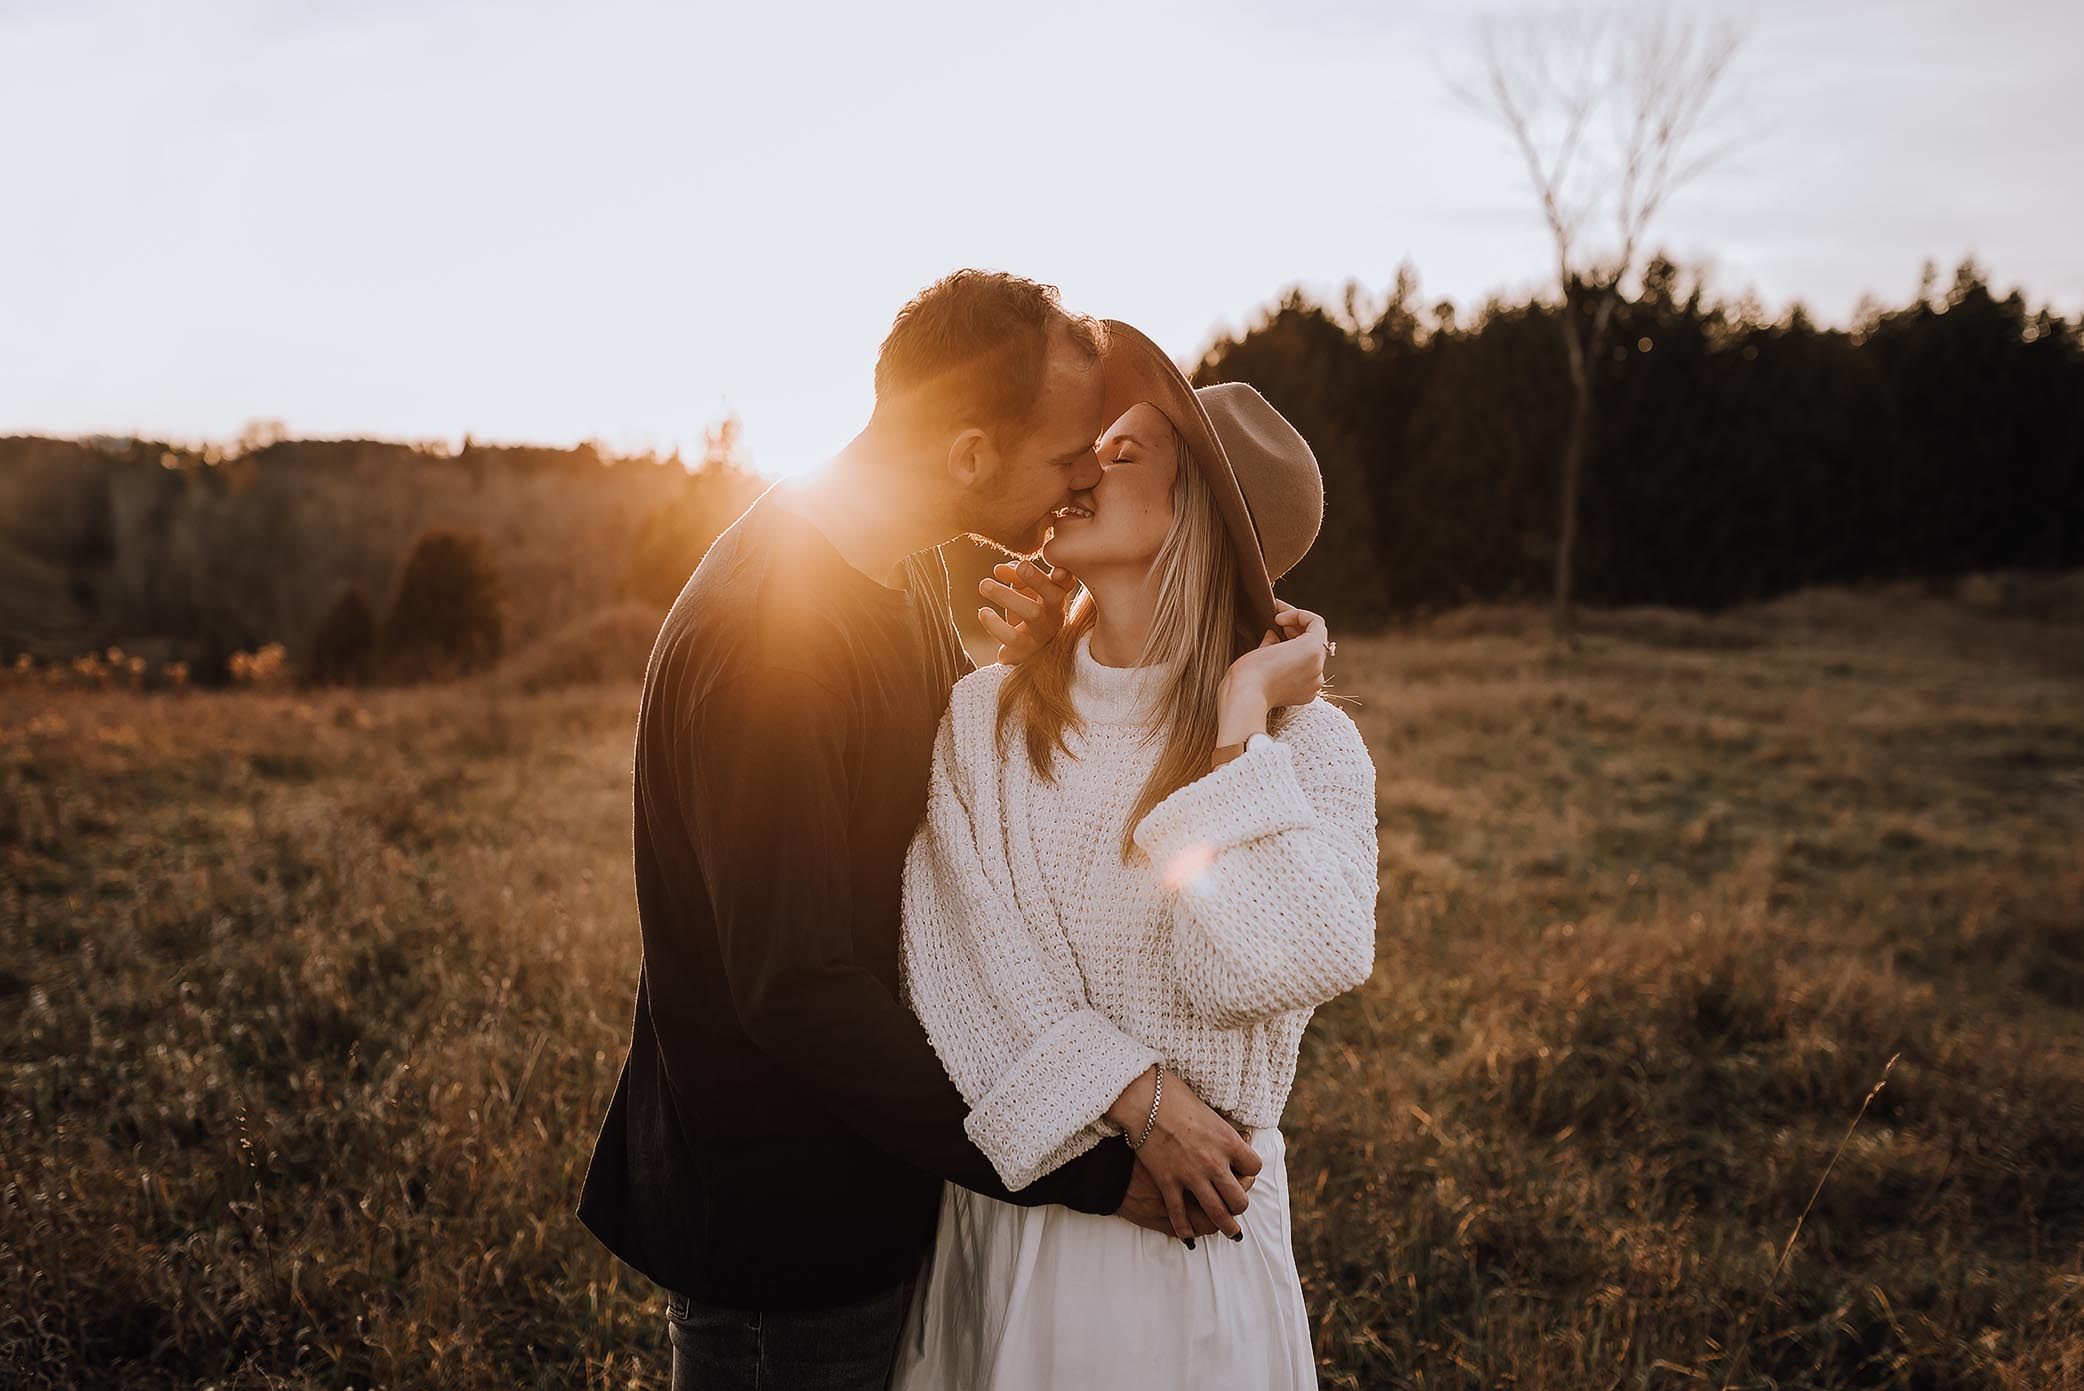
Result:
pixel 1034 601
pixel 1287 668
pixel 1191 1152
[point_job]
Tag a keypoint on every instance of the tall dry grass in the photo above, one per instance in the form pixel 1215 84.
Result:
pixel 309 1005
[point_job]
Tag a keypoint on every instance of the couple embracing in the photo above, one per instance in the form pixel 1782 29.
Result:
pixel 971 997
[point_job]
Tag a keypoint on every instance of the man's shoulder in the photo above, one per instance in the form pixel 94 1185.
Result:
pixel 751 605
pixel 756 572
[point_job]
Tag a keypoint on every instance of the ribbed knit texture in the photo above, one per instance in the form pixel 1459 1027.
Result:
pixel 1049 974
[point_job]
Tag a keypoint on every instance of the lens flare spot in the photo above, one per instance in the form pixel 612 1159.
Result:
pixel 1188 866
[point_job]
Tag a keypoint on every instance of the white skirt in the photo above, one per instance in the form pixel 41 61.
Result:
pixel 1012 1298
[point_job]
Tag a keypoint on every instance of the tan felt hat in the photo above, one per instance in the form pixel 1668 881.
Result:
pixel 1267 485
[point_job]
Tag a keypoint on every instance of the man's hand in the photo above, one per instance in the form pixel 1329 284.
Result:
pixel 1145 1205
pixel 1034 601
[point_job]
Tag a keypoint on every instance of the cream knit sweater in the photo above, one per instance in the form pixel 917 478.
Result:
pixel 1049 975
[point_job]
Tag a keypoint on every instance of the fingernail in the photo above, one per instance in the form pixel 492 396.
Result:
pixel 1237 1236
pixel 1190 1243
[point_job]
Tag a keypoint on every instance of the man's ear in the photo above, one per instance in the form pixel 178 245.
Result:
pixel 972 458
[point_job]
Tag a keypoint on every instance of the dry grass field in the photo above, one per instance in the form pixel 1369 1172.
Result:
pixel 309 1003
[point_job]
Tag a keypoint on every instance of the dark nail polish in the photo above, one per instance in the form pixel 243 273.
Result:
pixel 1190 1243
pixel 1237 1236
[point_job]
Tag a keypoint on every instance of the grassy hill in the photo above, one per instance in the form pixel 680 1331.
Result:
pixel 309 1004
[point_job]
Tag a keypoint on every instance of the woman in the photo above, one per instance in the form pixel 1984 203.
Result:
pixel 1149 853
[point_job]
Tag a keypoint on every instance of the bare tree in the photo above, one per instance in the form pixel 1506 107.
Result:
pixel 1606 109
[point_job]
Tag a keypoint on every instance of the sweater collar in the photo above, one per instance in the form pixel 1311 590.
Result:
pixel 1113 695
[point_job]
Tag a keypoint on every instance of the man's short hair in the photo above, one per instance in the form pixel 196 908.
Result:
pixel 972 347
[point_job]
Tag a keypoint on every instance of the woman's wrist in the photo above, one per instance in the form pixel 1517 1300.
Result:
pixel 1134 1103
pixel 1241 712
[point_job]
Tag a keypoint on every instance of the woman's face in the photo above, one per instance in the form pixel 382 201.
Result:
pixel 1120 523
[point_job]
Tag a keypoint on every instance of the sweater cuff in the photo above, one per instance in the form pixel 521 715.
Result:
pixel 1066 1080
pixel 1255 794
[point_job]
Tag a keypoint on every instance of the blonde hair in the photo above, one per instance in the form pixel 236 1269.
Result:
pixel 1194 629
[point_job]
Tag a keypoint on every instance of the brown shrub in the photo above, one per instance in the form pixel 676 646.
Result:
pixel 449 615
pixel 343 648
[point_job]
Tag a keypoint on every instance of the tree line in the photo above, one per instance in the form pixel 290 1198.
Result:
pixel 1732 456
pixel 363 558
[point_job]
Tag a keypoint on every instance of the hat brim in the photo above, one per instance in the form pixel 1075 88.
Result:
pixel 1136 369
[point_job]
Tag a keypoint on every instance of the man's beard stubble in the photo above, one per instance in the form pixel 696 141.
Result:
pixel 1021 541
pixel 1028 548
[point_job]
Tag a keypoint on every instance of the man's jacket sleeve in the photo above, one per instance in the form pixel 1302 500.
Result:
pixel 766 758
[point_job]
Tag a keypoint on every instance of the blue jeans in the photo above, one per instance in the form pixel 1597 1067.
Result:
pixel 848 1348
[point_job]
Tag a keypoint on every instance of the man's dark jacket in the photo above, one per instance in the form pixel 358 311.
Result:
pixel 781 1128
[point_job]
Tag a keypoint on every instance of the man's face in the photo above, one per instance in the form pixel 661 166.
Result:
pixel 1044 462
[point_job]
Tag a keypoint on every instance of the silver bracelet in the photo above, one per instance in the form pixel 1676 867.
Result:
pixel 1157 1093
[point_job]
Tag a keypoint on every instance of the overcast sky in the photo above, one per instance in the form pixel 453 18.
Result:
pixel 416 218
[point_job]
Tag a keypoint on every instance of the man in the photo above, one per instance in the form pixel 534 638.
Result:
pixel 774 1152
